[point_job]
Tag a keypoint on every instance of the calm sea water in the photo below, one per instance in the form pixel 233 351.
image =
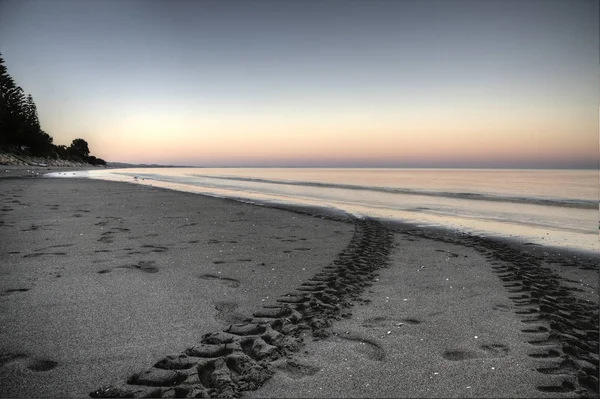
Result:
pixel 548 207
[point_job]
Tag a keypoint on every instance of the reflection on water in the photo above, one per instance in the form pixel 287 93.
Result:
pixel 548 207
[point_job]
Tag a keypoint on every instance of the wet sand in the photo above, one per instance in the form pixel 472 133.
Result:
pixel 121 289
pixel 19 171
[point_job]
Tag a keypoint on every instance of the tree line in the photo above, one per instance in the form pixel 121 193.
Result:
pixel 20 130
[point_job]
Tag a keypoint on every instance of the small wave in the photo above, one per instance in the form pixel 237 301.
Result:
pixel 558 202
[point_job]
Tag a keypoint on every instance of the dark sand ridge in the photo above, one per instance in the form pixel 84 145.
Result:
pixel 393 346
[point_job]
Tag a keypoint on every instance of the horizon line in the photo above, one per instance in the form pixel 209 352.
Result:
pixel 597 167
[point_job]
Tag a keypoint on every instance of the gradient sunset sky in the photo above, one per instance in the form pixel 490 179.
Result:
pixel 442 83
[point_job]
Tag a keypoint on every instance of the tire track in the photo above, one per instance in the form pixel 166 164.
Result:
pixel 240 358
pixel 564 329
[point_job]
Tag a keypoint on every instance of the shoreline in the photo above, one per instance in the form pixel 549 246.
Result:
pixel 273 344
pixel 551 253
pixel 21 171
pixel 558 253
pixel 574 241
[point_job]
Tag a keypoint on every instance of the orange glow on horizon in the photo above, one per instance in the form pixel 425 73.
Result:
pixel 415 136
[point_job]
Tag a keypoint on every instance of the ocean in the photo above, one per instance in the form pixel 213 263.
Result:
pixel 546 207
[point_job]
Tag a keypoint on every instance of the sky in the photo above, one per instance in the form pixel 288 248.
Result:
pixel 393 83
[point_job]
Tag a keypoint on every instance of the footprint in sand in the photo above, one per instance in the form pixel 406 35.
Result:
pixel 229 282
pixel 42 365
pixel 384 321
pixel 297 370
pixel 106 238
pixel 14 290
pixel 451 254
pixel 377 321
pixel 368 348
pixel 146 266
pixel 496 350
pixel 29 363
pixel 226 313
pixel 6 358
pixel 493 350
pixel 54 246
pixel 187 225
pixel 458 355
pixel 155 248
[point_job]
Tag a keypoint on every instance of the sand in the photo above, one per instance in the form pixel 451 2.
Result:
pixel 438 322
pixel 122 289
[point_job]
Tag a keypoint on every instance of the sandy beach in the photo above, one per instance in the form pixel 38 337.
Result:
pixel 113 289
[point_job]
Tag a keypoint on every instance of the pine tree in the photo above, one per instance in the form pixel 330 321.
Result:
pixel 6 82
pixel 20 125
pixel 7 86
pixel 15 126
pixel 31 114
